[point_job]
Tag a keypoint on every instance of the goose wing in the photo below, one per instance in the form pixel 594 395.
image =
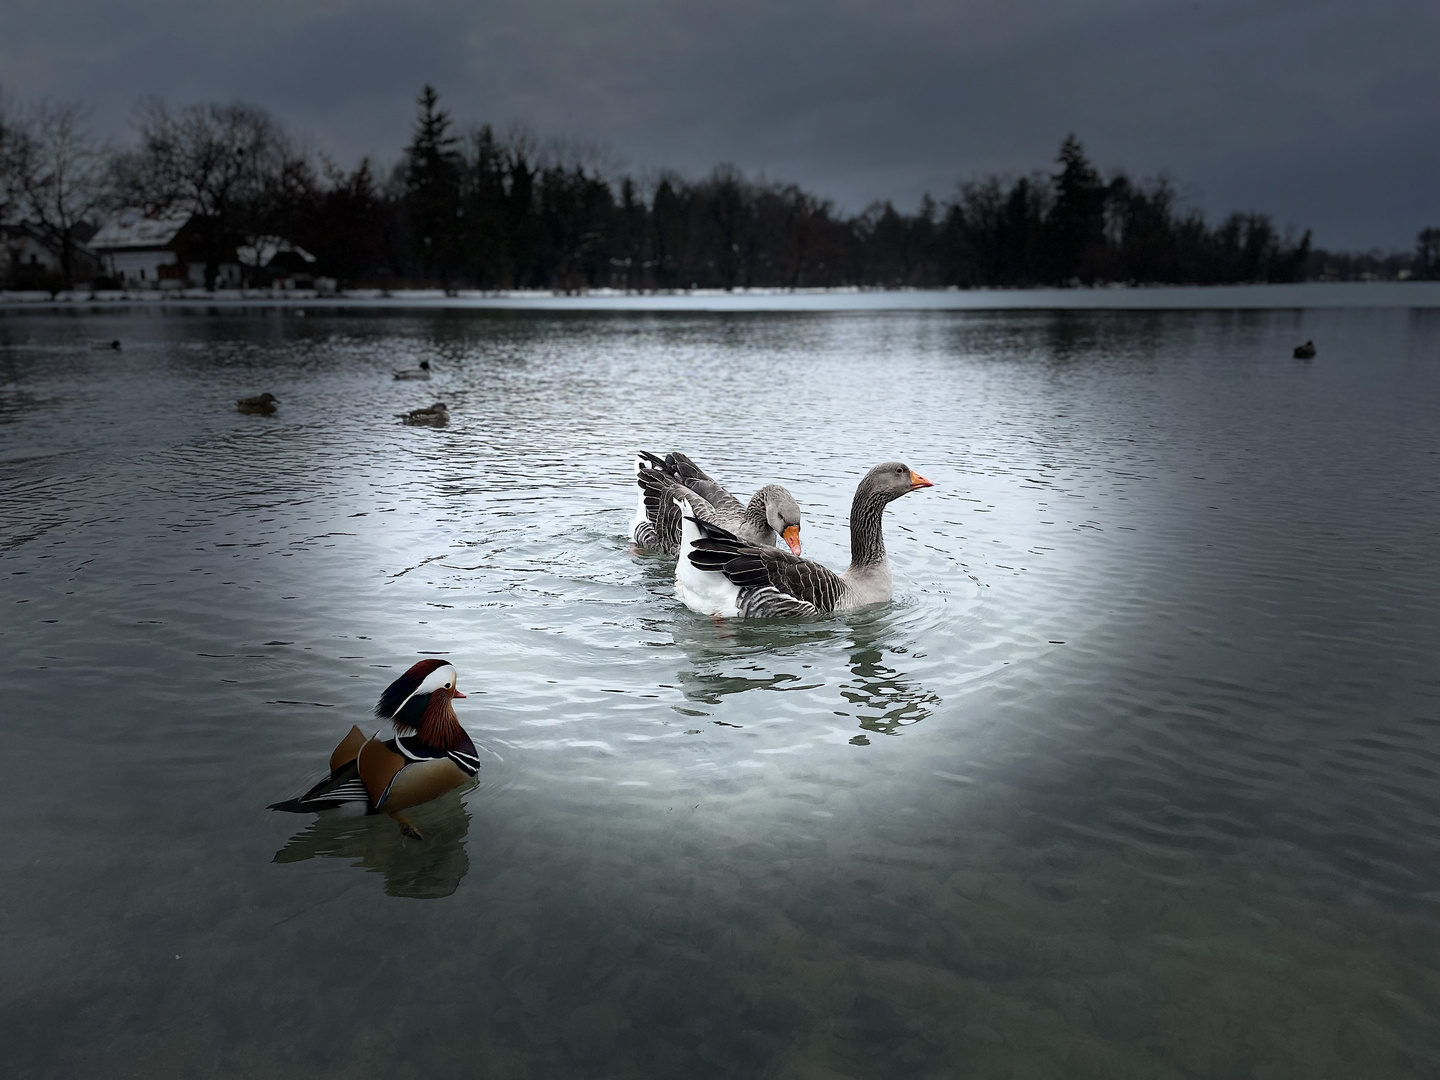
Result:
pixel 782 584
pixel 661 494
pixel 693 477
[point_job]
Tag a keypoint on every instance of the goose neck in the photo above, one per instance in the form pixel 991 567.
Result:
pixel 867 541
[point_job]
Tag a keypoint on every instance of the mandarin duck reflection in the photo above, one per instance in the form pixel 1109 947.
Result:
pixel 429 755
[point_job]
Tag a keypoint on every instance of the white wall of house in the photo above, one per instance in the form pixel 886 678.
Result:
pixel 139 268
pixel 29 255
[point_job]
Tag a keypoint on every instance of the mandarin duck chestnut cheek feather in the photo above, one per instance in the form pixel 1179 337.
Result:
pixel 429 754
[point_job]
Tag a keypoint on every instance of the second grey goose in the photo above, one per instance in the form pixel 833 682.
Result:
pixel 771 513
pixel 720 574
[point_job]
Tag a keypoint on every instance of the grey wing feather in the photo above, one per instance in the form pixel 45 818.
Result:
pixel 764 568
pixel 805 580
pixel 662 492
pixel 693 477
pixel 771 603
pixel 661 531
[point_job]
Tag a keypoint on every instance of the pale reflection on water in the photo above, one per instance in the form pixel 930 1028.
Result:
pixel 424 870
pixel 1136 777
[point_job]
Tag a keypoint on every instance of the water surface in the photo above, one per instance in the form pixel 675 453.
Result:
pixel 1136 776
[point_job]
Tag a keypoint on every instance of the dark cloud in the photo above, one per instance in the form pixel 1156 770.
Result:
pixel 1322 113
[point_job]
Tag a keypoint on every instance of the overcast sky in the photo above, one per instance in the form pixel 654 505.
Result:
pixel 1325 114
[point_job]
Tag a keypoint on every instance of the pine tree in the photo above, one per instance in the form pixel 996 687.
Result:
pixel 432 191
pixel 1076 223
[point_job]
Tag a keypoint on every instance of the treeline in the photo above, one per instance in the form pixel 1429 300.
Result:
pixel 473 209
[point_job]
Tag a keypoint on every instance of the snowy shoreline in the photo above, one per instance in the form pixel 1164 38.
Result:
pixel 1381 294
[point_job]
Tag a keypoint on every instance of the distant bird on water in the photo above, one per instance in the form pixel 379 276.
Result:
pixel 1306 351
pixel 429 754
pixel 421 372
pixel 259 405
pixel 435 415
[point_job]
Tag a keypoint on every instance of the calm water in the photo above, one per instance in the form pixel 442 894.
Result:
pixel 1136 777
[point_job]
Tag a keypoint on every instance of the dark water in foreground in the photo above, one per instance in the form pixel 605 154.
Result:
pixel 1137 776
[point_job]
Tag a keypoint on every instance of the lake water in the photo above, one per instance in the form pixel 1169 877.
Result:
pixel 1137 776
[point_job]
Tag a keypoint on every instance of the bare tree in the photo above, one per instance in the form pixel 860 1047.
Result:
pixel 59 173
pixel 8 135
pixel 215 161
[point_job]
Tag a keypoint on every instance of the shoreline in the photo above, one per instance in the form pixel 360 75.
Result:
pixel 1348 294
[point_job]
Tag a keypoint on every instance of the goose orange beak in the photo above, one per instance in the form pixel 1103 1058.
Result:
pixel 918 481
pixel 791 536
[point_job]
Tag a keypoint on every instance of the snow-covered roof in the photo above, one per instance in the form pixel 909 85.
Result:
pixel 132 229
pixel 261 249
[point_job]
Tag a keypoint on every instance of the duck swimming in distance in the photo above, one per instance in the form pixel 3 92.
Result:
pixel 1305 352
pixel 436 415
pixel 259 405
pixel 772 515
pixel 429 754
pixel 421 372
pixel 720 574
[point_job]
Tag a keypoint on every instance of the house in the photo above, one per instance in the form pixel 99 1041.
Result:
pixel 30 258
pixel 167 252
pixel 276 262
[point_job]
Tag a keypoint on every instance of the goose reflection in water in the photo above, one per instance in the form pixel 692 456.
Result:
pixel 421 869
pixel 885 700
pixel 728 659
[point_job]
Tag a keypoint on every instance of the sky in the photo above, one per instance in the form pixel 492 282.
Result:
pixel 1325 114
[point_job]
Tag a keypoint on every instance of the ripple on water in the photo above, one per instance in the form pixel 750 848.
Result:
pixel 1150 720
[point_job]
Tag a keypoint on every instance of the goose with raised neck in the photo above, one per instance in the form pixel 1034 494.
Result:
pixel 720 574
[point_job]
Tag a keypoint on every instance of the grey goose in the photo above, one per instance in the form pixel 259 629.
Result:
pixel 771 515
pixel 720 574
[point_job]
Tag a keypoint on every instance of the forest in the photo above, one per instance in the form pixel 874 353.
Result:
pixel 468 208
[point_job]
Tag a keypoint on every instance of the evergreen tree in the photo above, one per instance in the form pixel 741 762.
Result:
pixel 432 191
pixel 1076 223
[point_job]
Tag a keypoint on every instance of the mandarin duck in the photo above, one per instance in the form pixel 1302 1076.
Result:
pixel 429 754
pixel 720 574
pixel 771 515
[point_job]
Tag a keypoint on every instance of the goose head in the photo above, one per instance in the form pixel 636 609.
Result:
pixel 419 702
pixel 891 479
pixel 782 513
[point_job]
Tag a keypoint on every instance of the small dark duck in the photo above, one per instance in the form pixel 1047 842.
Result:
pixel 421 372
pixel 1306 351
pixel 259 405
pixel 429 754
pixel 435 415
